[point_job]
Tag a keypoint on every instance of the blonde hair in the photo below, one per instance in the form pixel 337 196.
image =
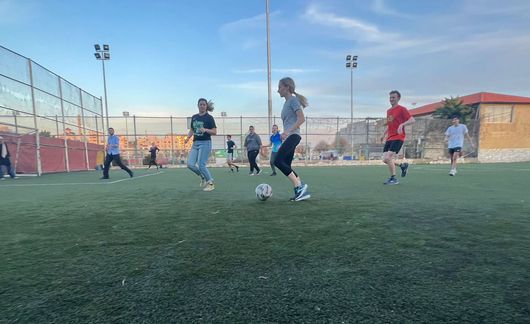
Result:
pixel 209 104
pixel 289 83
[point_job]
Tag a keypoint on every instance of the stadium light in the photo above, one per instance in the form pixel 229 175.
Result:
pixel 103 55
pixel 351 63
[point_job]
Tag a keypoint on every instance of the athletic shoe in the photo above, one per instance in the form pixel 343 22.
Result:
pixel 391 181
pixel 209 187
pixel 301 193
pixel 104 178
pixel 273 174
pixel 258 172
pixel 251 174
pixel 452 172
pixel 15 178
pixel 131 174
pixel 404 169
pixel 237 168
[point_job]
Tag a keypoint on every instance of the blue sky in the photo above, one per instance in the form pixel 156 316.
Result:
pixel 167 54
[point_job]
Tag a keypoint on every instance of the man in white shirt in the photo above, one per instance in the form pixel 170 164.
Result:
pixel 454 135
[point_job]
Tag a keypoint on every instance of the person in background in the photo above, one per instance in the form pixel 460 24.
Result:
pixel 113 154
pixel 5 161
pixel 253 146
pixel 230 146
pixel 202 127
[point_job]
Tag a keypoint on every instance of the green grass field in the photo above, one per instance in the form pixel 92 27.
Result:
pixel 156 249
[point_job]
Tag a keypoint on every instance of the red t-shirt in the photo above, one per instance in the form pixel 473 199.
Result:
pixel 396 116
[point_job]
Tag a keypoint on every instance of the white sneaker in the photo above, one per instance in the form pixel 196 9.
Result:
pixel 452 172
pixel 209 187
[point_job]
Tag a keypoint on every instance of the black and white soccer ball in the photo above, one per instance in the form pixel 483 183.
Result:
pixel 263 191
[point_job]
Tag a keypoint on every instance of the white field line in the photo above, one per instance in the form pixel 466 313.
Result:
pixel 75 183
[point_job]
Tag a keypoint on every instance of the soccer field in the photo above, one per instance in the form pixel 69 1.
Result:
pixel 157 249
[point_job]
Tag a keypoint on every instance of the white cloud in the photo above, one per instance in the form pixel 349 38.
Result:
pixel 352 27
pixel 380 7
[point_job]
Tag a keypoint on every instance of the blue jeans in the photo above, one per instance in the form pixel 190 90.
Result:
pixel 4 162
pixel 199 154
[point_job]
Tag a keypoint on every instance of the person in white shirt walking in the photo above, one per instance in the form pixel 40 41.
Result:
pixel 454 136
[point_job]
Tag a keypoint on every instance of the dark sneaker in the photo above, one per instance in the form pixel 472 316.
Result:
pixel 258 172
pixel 273 174
pixel 237 168
pixel 404 169
pixel 301 193
pixel 131 174
pixel 391 181
pixel 103 178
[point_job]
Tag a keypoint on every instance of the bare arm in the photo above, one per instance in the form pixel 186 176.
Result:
pixel 300 119
pixel 410 121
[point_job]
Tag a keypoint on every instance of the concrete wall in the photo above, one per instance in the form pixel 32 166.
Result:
pixel 512 136
pixel 504 155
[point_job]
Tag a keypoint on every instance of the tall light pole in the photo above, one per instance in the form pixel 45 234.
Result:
pixel 269 100
pixel 103 55
pixel 351 63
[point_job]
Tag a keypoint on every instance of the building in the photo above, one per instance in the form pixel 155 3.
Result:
pixel 503 123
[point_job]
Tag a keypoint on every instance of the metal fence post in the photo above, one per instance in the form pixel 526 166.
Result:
pixel 135 138
pixel 83 132
pixel 66 159
pixel 37 136
pixel 172 155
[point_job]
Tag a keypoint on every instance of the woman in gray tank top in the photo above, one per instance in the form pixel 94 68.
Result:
pixel 292 117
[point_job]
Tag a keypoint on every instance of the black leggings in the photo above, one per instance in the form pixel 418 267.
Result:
pixel 252 160
pixel 285 154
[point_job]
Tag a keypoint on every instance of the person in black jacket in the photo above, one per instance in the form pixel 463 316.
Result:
pixel 4 161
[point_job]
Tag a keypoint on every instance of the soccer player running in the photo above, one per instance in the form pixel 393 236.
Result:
pixel 153 150
pixel 397 117
pixel 454 135
pixel 230 146
pixel 113 154
pixel 202 127
pixel 253 145
pixel 276 141
pixel 292 118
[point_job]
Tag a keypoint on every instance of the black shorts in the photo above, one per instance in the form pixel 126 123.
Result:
pixel 393 146
pixel 452 150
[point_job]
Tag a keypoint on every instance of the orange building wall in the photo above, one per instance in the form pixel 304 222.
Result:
pixel 507 135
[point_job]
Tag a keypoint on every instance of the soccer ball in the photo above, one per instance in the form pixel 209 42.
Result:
pixel 263 191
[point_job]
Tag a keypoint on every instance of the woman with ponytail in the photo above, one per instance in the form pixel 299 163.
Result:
pixel 202 127
pixel 292 118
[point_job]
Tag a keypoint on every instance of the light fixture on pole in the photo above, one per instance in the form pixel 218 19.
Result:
pixel 351 63
pixel 103 55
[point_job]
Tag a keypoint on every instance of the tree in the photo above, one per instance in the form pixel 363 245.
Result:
pixel 343 145
pixel 454 106
pixel 45 133
pixel 322 146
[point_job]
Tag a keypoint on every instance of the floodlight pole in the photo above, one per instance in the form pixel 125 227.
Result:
pixel 269 100
pixel 105 92
pixel 351 63
pixel 103 55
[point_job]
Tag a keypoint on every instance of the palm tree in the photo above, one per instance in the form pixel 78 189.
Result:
pixel 454 107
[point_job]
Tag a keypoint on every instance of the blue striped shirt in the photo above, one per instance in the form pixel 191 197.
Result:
pixel 114 150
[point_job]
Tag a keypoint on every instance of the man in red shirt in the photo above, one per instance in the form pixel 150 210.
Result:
pixel 397 117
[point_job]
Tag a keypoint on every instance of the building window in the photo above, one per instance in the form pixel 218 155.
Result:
pixel 497 114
